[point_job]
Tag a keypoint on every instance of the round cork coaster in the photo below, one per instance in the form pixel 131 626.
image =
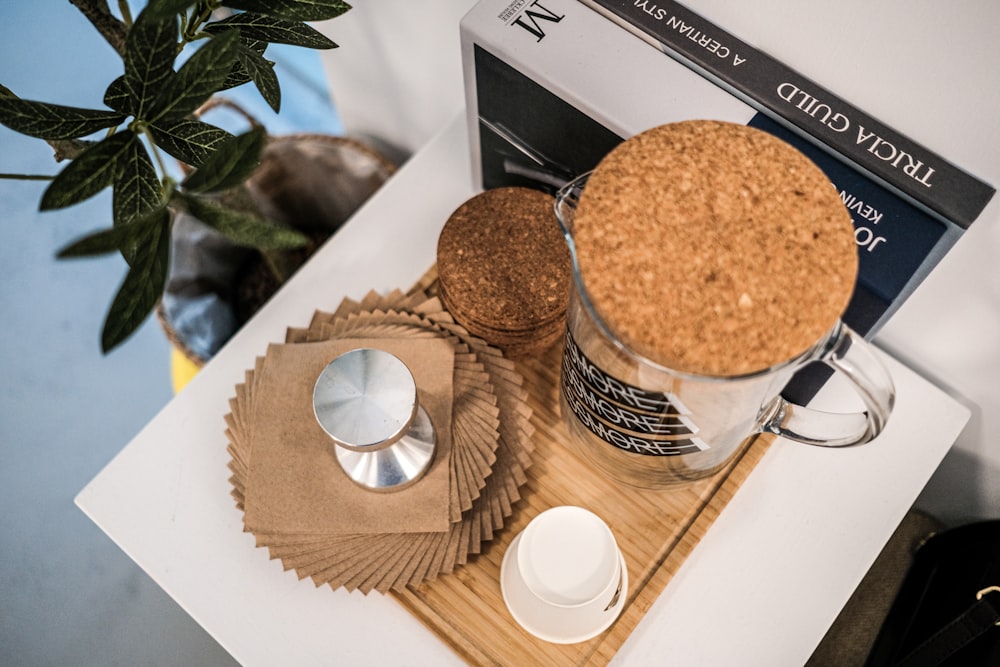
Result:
pixel 714 248
pixel 504 268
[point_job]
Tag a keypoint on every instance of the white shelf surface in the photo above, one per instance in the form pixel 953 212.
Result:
pixel 786 553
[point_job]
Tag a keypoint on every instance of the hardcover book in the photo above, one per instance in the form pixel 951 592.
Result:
pixel 553 85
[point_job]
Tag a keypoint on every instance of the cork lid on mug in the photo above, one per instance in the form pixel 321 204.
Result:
pixel 714 248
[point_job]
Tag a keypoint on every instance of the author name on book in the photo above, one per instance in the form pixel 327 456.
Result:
pixel 868 140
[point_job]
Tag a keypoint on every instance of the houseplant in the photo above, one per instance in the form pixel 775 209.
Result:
pixel 150 121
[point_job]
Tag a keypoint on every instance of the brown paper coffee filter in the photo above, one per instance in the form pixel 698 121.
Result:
pixel 492 408
pixel 714 248
pixel 470 387
pixel 294 480
pixel 359 517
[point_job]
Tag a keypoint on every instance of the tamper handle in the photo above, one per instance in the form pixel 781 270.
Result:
pixel 366 401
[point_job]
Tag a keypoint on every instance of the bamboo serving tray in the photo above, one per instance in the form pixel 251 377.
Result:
pixel 656 531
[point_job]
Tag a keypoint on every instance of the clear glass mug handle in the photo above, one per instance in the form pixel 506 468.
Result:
pixel 853 357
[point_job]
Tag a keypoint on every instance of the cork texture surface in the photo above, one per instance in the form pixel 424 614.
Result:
pixel 504 267
pixel 714 248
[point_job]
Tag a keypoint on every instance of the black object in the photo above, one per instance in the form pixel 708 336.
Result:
pixel 948 607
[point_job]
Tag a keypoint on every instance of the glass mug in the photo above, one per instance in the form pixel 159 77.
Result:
pixel 647 425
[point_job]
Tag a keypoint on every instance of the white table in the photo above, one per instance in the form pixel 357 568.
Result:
pixel 780 561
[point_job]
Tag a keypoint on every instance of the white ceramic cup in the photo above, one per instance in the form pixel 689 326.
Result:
pixel 564 577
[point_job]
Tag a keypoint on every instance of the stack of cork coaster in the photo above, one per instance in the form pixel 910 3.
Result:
pixel 730 236
pixel 504 269
pixel 307 513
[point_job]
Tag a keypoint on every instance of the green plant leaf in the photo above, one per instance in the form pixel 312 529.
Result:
pixel 99 243
pixel 119 97
pixel 150 50
pixel 54 121
pixel 258 46
pixel 242 228
pixel 136 192
pixel 237 77
pixel 294 10
pixel 143 286
pixel 198 79
pixel 232 162
pixel 88 174
pixel 270 29
pixel 112 239
pixel 190 141
pixel 137 187
pixel 238 74
pixel 262 74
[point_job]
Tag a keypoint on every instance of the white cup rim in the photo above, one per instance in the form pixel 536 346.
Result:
pixel 550 520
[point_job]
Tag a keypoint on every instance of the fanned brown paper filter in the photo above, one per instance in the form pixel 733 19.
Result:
pixel 300 505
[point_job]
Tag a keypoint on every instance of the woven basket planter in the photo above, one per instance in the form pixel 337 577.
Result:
pixel 310 182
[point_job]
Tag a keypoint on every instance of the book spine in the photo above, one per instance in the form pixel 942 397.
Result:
pixel 798 102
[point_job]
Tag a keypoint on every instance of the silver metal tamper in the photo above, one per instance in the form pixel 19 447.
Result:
pixel 366 401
